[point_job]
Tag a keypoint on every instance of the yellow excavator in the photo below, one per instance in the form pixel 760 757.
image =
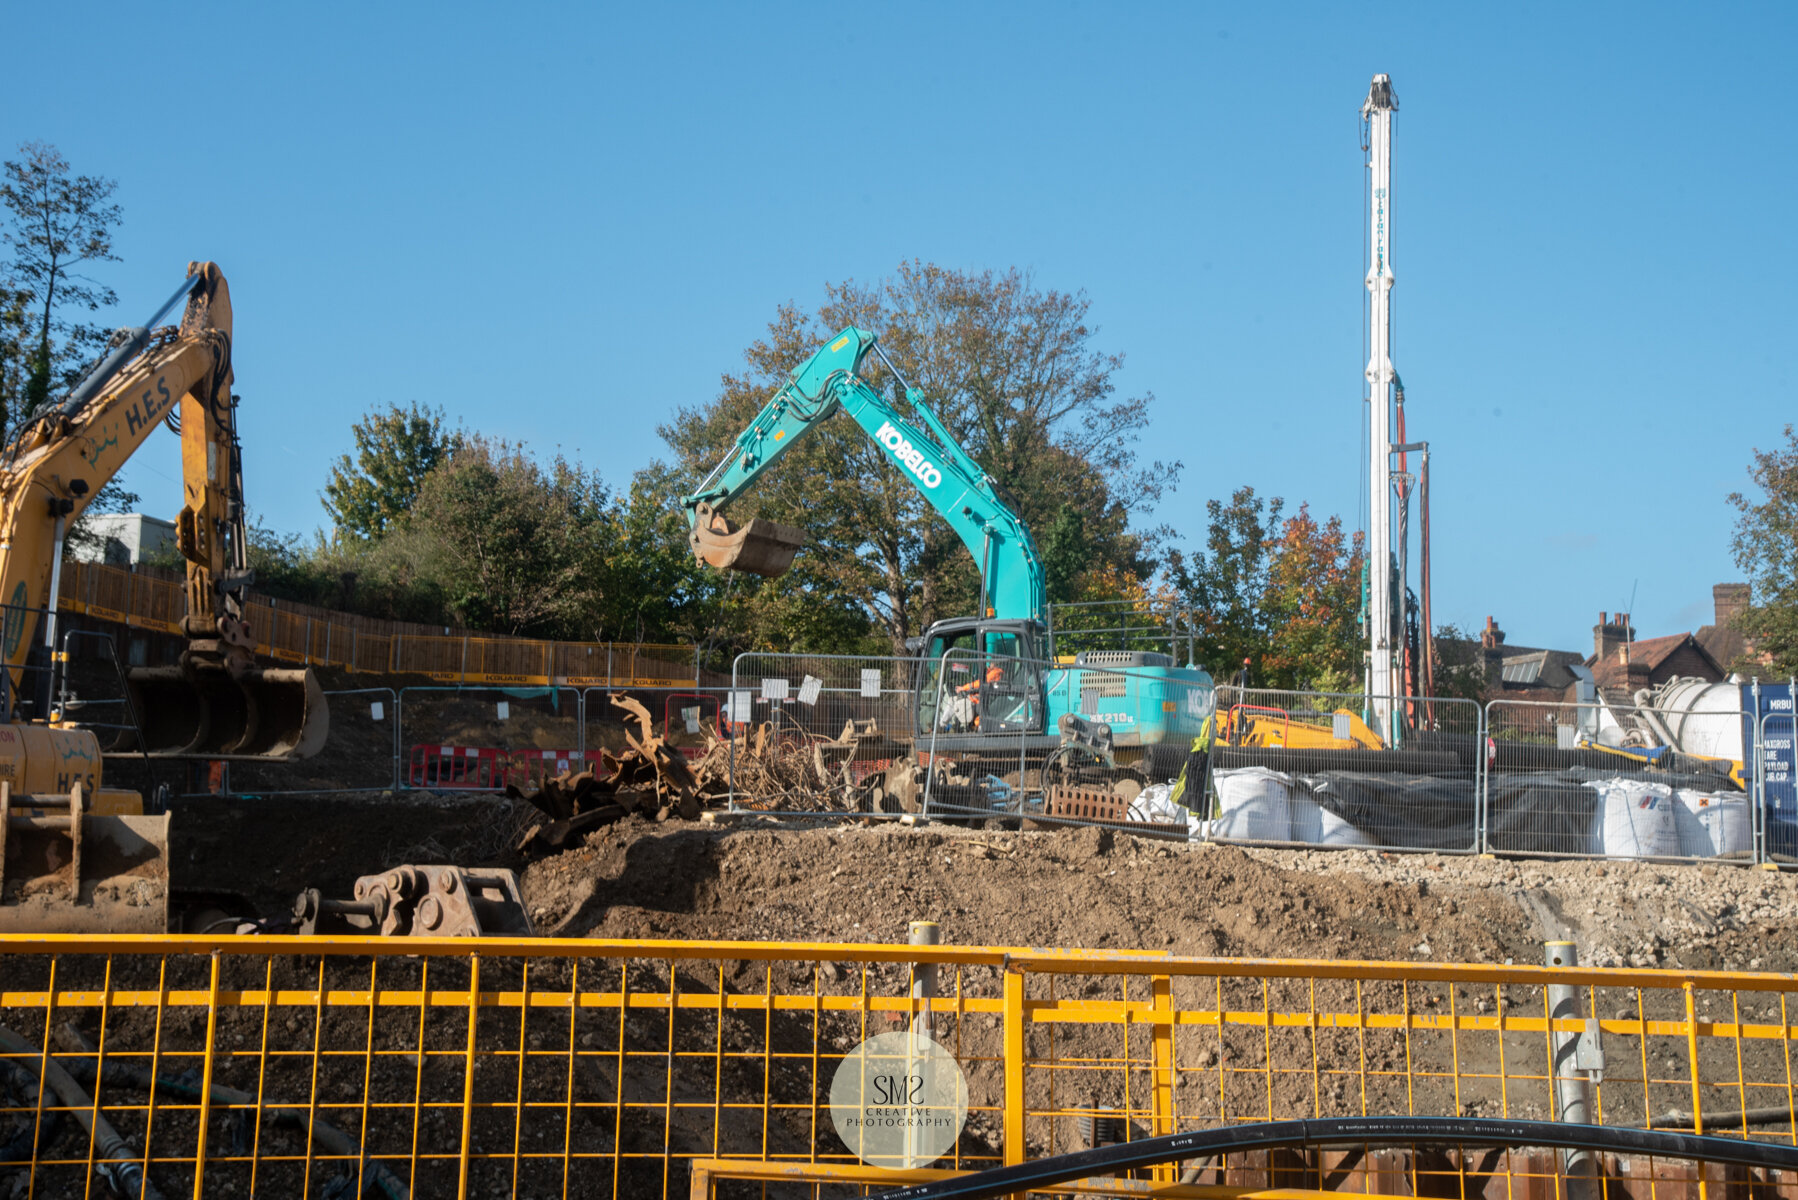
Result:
pixel 76 855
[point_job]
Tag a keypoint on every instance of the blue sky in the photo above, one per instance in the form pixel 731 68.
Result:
pixel 559 223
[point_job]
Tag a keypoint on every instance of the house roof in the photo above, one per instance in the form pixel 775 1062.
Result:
pixel 1724 643
pixel 1652 652
pixel 1648 655
pixel 1530 666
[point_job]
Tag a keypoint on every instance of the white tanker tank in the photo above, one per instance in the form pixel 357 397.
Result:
pixel 1698 718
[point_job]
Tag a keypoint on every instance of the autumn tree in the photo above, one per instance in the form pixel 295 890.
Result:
pixel 1282 593
pixel 1222 583
pixel 1310 605
pixel 1013 372
pixel 58 222
pixel 1766 547
pixel 396 448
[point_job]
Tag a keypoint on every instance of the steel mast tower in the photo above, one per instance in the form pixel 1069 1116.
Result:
pixel 1383 684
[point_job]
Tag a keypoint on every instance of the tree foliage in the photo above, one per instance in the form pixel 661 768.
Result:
pixel 396 448
pixel 1281 593
pixel 1460 664
pixel 57 222
pixel 1766 547
pixel 517 546
pixel 1012 371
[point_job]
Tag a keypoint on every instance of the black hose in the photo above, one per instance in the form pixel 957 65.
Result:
pixel 1358 1131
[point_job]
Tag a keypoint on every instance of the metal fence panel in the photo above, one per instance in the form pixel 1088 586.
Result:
pixel 361 752
pixel 291 1066
pixel 1777 779
pixel 527 733
pixel 809 733
pixel 1306 768
pixel 1600 779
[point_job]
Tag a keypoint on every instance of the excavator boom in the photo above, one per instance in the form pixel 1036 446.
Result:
pixel 217 704
pixel 947 477
pixel 76 856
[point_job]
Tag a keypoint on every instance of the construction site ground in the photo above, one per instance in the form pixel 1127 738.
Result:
pixel 758 878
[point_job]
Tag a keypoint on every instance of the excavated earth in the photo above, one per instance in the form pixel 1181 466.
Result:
pixel 764 880
pixel 1090 888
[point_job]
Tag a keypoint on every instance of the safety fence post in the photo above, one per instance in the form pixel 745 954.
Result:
pixel 1013 1118
pixel 1163 1115
pixel 1572 1087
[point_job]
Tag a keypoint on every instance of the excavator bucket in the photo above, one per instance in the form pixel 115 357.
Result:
pixel 188 712
pixel 761 547
pixel 66 870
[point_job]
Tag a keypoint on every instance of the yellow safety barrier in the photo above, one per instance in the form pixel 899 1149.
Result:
pixel 629 1068
pixel 309 636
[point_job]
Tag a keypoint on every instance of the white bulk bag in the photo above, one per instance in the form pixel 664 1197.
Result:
pixel 1713 824
pixel 1152 805
pixel 1313 823
pixel 1253 804
pixel 1634 820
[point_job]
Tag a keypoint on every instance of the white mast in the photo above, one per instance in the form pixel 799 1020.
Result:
pixel 1382 673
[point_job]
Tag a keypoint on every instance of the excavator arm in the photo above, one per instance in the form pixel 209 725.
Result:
pixel 216 703
pixel 949 479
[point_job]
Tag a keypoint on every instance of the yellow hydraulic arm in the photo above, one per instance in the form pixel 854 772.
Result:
pixel 217 703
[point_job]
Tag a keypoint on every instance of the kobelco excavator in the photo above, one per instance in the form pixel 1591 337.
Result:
pixel 1008 694
pixel 76 855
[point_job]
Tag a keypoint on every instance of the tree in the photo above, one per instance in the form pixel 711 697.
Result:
pixel 1281 593
pixel 1011 370
pixel 1223 583
pixel 57 221
pixel 517 547
pixel 1460 664
pixel 396 449
pixel 1766 547
pixel 1310 605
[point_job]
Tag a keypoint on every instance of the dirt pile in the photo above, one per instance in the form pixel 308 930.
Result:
pixel 1076 887
pixel 1088 888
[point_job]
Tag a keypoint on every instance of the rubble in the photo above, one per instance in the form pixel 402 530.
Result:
pixel 650 778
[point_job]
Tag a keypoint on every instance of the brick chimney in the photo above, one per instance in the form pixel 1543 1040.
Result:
pixel 1731 601
pixel 1491 637
pixel 1609 636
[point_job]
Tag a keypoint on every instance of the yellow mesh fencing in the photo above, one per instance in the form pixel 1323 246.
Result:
pixel 613 1068
pixel 146 602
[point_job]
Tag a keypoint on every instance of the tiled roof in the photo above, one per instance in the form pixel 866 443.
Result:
pixel 1724 643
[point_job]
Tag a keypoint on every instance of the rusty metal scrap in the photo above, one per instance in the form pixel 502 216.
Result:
pixel 650 779
pixel 421 901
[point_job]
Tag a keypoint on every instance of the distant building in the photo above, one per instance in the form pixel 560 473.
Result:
pixel 1721 639
pixel 1622 664
pixel 124 539
pixel 1525 672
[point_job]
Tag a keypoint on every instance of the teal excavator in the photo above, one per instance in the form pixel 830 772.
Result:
pixel 1152 704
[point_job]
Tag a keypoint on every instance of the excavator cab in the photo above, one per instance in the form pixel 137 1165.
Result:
pixel 980 677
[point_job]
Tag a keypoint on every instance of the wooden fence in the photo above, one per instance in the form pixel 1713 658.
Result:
pixel 303 633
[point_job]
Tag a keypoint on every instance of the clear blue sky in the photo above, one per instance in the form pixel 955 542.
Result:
pixel 558 223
